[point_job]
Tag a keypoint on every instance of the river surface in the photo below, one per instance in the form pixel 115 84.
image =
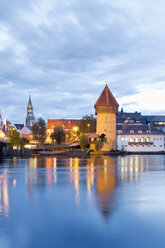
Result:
pixel 99 202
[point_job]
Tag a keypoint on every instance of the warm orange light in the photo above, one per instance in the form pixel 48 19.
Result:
pixel 75 129
pixel 14 182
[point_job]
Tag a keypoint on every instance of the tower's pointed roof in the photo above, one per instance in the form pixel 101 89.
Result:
pixel 30 101
pixel 106 98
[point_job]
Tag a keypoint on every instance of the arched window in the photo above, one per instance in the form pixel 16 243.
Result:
pixel 103 137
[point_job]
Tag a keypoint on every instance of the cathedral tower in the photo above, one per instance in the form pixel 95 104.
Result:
pixel 106 109
pixel 30 119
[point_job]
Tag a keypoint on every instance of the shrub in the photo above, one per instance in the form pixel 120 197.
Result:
pixel 98 145
pixel 83 141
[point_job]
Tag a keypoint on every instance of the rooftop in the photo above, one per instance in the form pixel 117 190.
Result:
pixel 65 123
pixel 106 98
pixel 145 129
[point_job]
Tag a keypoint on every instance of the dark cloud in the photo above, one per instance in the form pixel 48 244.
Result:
pixel 62 52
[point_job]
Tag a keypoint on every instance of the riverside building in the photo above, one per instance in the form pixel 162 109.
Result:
pixel 130 132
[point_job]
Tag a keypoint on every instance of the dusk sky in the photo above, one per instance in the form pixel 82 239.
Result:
pixel 61 52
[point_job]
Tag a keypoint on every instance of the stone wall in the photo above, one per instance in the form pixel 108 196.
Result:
pixel 106 124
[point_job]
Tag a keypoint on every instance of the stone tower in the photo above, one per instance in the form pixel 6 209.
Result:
pixel 106 109
pixel 30 119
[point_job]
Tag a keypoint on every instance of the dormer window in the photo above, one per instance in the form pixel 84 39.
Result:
pixel 131 131
pixel 140 131
pixel 148 131
pixel 120 131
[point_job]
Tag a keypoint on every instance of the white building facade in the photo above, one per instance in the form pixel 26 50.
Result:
pixel 140 138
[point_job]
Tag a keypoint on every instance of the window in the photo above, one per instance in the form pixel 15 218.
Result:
pixel 103 137
pixel 119 131
pixel 131 131
pixel 148 139
pixel 161 123
pixel 148 131
pixel 131 139
pixel 140 131
pixel 136 139
pixel 142 139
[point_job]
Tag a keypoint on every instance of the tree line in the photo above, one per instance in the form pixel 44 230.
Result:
pixel 86 125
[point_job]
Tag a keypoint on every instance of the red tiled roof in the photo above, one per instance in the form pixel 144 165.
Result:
pixel 65 123
pixel 92 135
pixel 106 98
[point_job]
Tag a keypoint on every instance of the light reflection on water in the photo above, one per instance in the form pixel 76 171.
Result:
pixel 102 198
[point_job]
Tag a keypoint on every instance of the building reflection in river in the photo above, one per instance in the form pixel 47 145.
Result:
pixel 105 182
pixel 4 195
pixel 99 176
pixel 103 174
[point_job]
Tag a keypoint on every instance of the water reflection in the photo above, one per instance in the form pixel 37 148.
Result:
pixel 105 183
pixel 4 195
pixel 99 176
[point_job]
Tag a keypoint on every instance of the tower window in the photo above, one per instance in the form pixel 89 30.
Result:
pixel 103 137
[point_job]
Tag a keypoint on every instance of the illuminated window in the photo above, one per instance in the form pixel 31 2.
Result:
pixel 131 139
pixel 148 139
pixel 140 131
pixel 131 131
pixel 136 139
pixel 161 123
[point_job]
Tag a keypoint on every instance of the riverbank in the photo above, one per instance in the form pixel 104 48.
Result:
pixel 31 153
pixel 73 153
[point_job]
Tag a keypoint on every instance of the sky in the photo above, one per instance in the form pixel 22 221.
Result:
pixel 61 52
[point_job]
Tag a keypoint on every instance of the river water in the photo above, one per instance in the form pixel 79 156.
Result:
pixel 79 203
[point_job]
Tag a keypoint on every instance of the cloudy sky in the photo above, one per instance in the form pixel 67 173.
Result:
pixel 61 52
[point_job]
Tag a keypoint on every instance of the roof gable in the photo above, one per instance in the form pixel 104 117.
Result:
pixel 106 98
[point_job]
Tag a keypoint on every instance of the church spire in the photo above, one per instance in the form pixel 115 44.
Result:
pixel 30 101
pixel 30 119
